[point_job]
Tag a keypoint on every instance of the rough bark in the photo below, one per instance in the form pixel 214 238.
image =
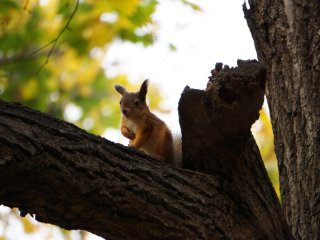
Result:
pixel 216 138
pixel 287 39
pixel 76 180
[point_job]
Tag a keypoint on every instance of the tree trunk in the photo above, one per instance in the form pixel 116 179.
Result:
pixel 76 180
pixel 287 39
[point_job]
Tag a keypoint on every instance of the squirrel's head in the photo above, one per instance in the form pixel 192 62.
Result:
pixel 133 104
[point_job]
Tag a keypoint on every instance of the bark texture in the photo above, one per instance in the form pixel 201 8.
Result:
pixel 287 38
pixel 216 137
pixel 68 177
pixel 76 180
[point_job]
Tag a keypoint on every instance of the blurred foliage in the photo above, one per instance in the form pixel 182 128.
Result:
pixel 262 131
pixel 51 54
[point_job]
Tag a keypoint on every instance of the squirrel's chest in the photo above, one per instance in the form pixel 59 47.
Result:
pixel 132 125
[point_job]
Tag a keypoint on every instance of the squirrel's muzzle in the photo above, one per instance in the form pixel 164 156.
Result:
pixel 125 111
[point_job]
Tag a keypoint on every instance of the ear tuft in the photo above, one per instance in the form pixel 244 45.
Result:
pixel 143 90
pixel 119 89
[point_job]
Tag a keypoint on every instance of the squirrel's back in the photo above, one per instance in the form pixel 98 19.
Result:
pixel 161 141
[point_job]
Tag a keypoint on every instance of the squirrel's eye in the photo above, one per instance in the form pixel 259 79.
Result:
pixel 136 102
pixel 120 102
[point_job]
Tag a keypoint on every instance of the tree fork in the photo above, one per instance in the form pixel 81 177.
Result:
pixel 76 180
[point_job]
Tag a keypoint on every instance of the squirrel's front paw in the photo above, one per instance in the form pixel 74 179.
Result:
pixel 131 135
pixel 131 145
pixel 128 134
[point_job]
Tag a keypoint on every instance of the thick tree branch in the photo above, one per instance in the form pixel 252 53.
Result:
pixel 76 180
pixel 73 179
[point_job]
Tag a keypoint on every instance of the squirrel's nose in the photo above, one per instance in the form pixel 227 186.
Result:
pixel 124 111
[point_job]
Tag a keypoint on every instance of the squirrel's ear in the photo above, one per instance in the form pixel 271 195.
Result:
pixel 143 90
pixel 119 89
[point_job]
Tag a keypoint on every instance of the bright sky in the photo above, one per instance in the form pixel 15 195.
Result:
pixel 218 34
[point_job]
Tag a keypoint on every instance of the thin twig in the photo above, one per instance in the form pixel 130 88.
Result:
pixel 43 47
pixel 26 4
pixel 54 42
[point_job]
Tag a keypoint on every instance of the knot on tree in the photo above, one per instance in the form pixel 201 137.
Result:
pixel 229 105
pixel 223 112
pixel 233 97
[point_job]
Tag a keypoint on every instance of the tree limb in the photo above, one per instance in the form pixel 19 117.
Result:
pixel 76 180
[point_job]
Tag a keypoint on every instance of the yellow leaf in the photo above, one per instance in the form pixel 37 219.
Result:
pixel 125 7
pixel 85 91
pixel 28 226
pixel 30 89
pixel 101 34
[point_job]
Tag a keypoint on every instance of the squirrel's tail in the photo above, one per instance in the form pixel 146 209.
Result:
pixel 177 150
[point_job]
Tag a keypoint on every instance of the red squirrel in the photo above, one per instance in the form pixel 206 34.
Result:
pixel 144 129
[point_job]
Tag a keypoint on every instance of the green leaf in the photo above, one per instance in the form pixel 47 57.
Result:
pixel 6 5
pixel 194 6
pixel 172 47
